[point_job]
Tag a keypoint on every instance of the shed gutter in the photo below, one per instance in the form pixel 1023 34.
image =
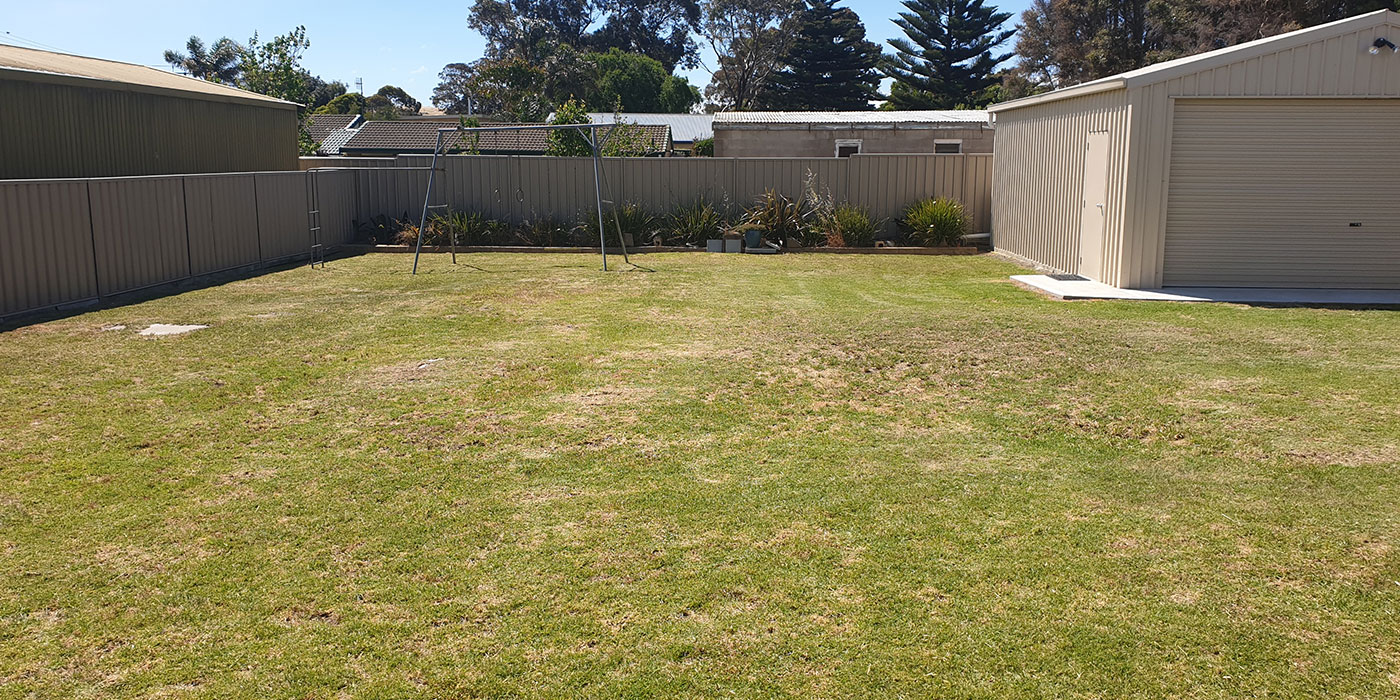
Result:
pixel 35 76
pixel 1094 88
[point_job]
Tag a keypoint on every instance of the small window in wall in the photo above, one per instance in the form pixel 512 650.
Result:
pixel 947 146
pixel 845 148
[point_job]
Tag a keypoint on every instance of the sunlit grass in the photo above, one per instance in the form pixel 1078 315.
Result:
pixel 807 476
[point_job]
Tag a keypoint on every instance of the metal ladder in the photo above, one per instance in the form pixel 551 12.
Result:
pixel 313 221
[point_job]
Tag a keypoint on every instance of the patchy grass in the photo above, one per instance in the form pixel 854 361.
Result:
pixel 810 476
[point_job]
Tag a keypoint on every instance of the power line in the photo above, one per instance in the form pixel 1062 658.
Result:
pixel 13 37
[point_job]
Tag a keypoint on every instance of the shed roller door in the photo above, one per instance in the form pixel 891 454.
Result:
pixel 1267 192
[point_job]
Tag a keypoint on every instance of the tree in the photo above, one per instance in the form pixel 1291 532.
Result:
pixel 218 64
pixel 510 87
pixel 829 65
pixel 745 36
pixel 274 68
pixel 320 92
pixel 634 83
pixel 658 29
pixel 453 93
pixel 569 142
pixel 349 103
pixel 402 102
pixel 949 57
pixel 523 28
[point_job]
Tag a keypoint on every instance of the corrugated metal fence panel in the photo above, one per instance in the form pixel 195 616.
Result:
pixel 336 199
pixel 309 162
pixel 222 215
pixel 283 228
pixel 45 245
pixel 138 232
pixel 516 188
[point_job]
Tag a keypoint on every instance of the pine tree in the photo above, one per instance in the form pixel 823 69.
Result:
pixel 950 55
pixel 829 65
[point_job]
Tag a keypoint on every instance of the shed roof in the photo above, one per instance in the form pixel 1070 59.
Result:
pixel 18 63
pixel 1167 70
pixel 686 128
pixel 930 117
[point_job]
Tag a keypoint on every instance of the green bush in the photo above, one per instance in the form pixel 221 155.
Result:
pixel 694 223
pixel 469 228
pixel 780 218
pixel 631 217
pixel 704 148
pixel 545 231
pixel 382 230
pixel 935 222
pixel 850 226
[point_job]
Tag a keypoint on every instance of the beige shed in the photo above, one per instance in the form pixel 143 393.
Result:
pixel 1274 163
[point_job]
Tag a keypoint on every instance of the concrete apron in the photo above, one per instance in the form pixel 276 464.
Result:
pixel 1088 289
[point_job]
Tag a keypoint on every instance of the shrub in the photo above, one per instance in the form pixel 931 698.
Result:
pixel 470 228
pixel 380 229
pixel 631 217
pixel 935 222
pixel 694 223
pixel 704 148
pixel 781 219
pixel 545 231
pixel 850 226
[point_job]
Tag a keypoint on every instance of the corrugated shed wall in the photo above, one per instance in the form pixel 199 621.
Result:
pixel 1335 67
pixel 61 131
pixel 66 241
pixel 518 188
pixel 1038 179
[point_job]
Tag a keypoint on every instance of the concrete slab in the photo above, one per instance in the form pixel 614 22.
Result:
pixel 162 329
pixel 1088 289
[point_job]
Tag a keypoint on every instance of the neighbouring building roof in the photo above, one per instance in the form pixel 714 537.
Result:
pixel 1167 70
pixel 868 119
pixel 392 137
pixel 48 66
pixel 322 125
pixel 685 128
pixel 334 141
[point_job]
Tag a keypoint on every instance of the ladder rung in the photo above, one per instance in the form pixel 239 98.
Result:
pixel 315 228
pixel 314 211
pixel 437 206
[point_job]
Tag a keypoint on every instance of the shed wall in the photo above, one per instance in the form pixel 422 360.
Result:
pixel 56 131
pixel 1038 176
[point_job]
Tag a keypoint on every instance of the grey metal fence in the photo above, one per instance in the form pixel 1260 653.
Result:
pixel 71 241
pixel 517 188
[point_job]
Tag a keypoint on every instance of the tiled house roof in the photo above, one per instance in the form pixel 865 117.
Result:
pixel 321 125
pixel 394 137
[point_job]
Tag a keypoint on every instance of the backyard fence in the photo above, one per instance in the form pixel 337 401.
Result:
pixel 71 241
pixel 522 188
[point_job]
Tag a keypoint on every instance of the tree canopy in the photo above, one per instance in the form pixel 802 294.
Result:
pixel 949 56
pixel 829 64
pixel 217 64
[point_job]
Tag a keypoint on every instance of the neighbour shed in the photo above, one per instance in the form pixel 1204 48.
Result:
pixel 1268 164
pixel 73 116
pixel 842 134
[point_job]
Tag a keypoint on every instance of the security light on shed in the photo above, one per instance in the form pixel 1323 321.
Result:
pixel 1380 43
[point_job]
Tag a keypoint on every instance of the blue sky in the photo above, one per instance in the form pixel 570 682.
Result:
pixel 403 44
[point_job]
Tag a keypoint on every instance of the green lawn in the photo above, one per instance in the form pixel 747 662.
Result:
pixel 794 476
